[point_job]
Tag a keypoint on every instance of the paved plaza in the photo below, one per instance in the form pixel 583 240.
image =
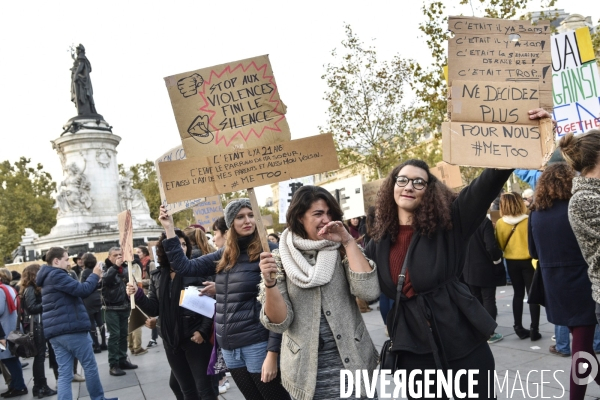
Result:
pixel 518 357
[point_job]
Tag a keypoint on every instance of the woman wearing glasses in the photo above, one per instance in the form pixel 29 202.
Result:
pixel 421 232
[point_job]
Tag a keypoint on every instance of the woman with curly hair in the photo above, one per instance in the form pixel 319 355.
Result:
pixel 511 233
pixel 568 290
pixel 32 307
pixel 421 232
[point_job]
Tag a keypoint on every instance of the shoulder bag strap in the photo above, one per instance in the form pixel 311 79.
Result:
pixel 401 279
pixel 512 231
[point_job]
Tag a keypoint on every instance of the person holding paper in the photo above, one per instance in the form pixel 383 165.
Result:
pixel 249 349
pixel 320 270
pixel 421 233
pixel 186 335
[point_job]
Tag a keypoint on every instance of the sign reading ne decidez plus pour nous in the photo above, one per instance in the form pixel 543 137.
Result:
pixel 498 70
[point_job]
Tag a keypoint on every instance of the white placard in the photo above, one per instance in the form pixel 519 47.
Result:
pixel 349 193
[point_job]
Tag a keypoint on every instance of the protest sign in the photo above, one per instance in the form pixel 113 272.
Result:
pixel 125 224
pixel 268 220
pixel 348 193
pixel 370 191
pixel 286 192
pixel 498 70
pixel 176 153
pixel 208 211
pixel 576 82
pixel 243 169
pixel 449 174
pixel 229 106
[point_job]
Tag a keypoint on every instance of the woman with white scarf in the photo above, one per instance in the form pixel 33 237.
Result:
pixel 320 269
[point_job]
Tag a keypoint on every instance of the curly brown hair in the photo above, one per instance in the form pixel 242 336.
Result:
pixel 433 212
pixel 161 255
pixel 555 184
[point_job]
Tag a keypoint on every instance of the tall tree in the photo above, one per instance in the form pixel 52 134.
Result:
pixel 26 202
pixel 366 114
pixel 428 81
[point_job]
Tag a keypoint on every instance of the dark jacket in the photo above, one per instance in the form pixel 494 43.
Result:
pixel 63 309
pixel 93 303
pixel 32 312
pixel 238 310
pixel 568 290
pixel 114 294
pixel 192 321
pixel 434 263
pixel 481 254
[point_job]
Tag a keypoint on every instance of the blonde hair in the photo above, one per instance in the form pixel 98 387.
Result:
pixel 512 204
pixel 198 237
pixel 581 152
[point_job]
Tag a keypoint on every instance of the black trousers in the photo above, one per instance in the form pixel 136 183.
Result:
pixel 487 297
pixel 38 369
pixel 481 358
pixel 521 275
pixel 96 322
pixel 188 363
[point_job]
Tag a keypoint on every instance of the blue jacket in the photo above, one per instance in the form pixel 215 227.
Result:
pixel 64 311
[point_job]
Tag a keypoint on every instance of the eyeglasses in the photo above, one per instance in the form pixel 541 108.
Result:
pixel 417 183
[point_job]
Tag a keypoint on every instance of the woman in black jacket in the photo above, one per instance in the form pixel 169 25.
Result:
pixel 93 305
pixel 436 323
pixel 568 290
pixel 186 334
pixel 484 269
pixel 32 307
pixel 249 349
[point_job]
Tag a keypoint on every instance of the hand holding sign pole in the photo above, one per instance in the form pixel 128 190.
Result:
pixel 126 242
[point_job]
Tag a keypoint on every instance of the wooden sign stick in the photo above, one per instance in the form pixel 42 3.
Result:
pixel 262 233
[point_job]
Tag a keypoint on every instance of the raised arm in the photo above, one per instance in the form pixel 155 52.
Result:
pixel 69 285
pixel 202 266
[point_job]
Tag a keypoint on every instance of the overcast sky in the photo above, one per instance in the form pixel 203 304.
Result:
pixel 133 44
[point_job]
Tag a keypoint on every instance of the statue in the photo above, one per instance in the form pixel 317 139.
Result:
pixel 131 199
pixel 82 93
pixel 74 192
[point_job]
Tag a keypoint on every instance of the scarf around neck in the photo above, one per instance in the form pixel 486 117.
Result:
pixel 298 270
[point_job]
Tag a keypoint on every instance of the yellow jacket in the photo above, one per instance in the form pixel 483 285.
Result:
pixel 517 247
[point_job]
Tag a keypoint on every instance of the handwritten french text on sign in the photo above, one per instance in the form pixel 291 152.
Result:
pixel 247 168
pixel 176 153
pixel 576 82
pixel 287 190
pixel 208 211
pixel 348 193
pixel 228 106
pixel 494 102
pixel 449 174
pixel 496 145
pixel 487 49
pixel 370 192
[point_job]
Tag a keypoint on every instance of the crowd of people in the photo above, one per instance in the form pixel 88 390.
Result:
pixel 288 320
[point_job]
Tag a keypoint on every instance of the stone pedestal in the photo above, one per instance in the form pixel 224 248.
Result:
pixel 91 193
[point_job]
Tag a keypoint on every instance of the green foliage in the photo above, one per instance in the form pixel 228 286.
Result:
pixel 366 115
pixel 428 81
pixel 26 202
pixel 429 151
pixel 277 227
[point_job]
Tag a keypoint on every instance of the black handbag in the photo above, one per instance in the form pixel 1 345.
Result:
pixel 537 293
pixel 22 344
pixel 388 359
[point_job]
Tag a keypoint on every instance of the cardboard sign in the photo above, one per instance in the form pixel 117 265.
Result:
pixel 126 234
pixel 498 70
pixel 495 102
pixel 152 245
pixel 576 82
pixel 449 174
pixel 348 193
pixel 494 216
pixel 370 192
pixel 242 169
pixel 286 192
pixel 176 153
pixel 498 146
pixel 267 220
pixel 229 106
pixel 208 211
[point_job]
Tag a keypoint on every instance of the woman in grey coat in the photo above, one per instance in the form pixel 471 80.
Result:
pixel 320 269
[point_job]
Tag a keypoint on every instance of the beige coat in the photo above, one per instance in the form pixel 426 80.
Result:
pixel 300 342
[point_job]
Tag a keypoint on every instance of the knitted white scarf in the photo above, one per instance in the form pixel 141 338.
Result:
pixel 298 270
